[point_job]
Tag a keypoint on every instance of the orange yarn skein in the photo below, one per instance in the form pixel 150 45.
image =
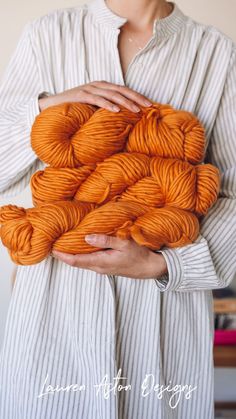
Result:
pixel 132 175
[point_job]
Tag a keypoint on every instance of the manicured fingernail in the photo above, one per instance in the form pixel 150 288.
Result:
pixel 90 238
pixel 147 103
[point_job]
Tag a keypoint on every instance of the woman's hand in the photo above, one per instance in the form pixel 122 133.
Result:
pixel 99 93
pixel 124 257
pixel 119 257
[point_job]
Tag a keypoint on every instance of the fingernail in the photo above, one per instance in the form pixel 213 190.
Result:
pixel 147 103
pixel 90 238
pixel 136 109
pixel 115 108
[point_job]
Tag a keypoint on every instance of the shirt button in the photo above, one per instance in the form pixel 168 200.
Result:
pixel 140 64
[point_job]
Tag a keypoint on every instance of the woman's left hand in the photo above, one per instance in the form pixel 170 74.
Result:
pixel 119 257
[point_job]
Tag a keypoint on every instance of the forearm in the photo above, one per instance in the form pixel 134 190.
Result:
pixel 157 265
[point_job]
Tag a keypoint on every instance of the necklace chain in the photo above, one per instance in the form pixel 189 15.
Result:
pixel 133 40
pixel 130 39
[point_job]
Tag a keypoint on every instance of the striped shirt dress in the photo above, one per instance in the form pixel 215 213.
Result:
pixel 83 345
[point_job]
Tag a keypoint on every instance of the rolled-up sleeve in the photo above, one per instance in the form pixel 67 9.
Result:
pixel 210 262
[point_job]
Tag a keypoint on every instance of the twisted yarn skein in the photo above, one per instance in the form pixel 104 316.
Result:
pixel 132 175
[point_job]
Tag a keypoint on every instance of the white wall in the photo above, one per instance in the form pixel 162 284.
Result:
pixel 14 14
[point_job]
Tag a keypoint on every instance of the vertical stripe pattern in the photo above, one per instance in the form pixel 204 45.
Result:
pixel 67 326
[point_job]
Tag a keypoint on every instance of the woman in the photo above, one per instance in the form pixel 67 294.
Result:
pixel 79 326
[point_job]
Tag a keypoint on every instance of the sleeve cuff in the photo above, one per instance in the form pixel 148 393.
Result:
pixel 172 280
pixel 190 268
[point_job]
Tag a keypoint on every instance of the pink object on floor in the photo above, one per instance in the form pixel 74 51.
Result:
pixel 225 337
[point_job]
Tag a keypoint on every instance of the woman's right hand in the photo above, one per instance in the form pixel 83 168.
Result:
pixel 99 93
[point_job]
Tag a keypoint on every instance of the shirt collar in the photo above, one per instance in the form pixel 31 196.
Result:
pixel 161 27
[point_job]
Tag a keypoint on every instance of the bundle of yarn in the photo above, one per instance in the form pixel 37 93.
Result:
pixel 132 175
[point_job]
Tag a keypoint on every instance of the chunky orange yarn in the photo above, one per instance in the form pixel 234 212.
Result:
pixel 132 175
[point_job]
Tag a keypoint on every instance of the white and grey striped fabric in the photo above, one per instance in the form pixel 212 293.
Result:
pixel 70 326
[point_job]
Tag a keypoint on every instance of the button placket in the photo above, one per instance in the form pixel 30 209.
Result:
pixel 117 56
pixel 134 59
